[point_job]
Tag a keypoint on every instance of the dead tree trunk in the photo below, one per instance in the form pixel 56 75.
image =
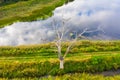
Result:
pixel 60 32
pixel 61 62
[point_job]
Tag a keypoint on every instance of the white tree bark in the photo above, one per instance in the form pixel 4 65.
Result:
pixel 61 64
pixel 59 39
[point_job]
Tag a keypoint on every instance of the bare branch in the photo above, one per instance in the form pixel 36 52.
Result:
pixel 68 48
pixel 55 28
pixel 78 36
pixel 84 31
pixel 61 32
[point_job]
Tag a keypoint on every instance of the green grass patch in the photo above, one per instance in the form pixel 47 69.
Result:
pixel 76 76
pixel 83 76
pixel 27 10
pixel 50 49
pixel 37 69
pixel 35 61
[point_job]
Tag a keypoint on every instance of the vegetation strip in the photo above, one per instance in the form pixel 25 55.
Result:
pixel 27 10
pixel 49 49
pixel 37 69
pixel 37 58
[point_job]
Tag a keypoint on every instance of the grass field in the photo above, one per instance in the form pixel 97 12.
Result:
pixel 27 10
pixel 76 76
pixel 40 62
pixel 36 61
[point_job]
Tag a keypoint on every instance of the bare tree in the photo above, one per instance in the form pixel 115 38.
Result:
pixel 60 33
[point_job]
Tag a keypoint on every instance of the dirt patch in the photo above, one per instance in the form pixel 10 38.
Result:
pixel 109 73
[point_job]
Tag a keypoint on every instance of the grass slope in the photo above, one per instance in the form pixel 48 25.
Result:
pixel 32 61
pixel 75 76
pixel 83 76
pixel 26 10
